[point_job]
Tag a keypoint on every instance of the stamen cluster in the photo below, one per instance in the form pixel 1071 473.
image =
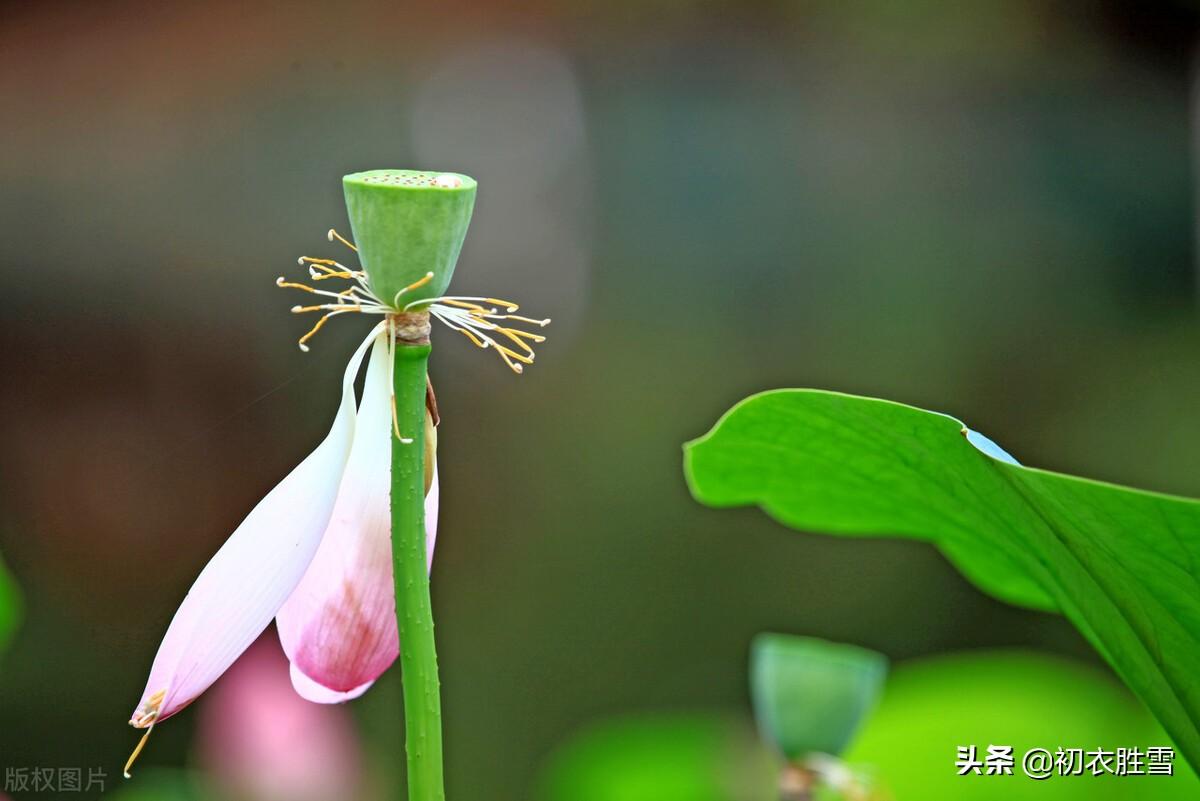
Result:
pixel 478 323
pixel 479 319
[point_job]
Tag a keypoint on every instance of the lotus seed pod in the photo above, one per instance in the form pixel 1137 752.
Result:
pixel 407 224
pixel 810 695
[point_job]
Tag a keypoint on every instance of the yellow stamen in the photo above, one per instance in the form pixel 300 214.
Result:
pixel 145 717
pixel 420 282
pixel 526 335
pixel 479 343
pixel 279 282
pixel 320 262
pixel 335 235
pixel 313 331
pixel 137 752
pixel 512 335
pixel 479 326
pixel 512 307
pixel 462 304
pixel 396 424
pixel 513 354
pixel 530 320
pixel 478 319
pixel 516 368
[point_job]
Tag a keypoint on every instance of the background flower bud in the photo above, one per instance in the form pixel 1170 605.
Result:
pixel 260 741
pixel 810 696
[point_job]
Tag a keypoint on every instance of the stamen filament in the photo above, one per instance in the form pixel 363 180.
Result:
pixel 511 307
pixel 420 282
pixel 530 320
pixel 396 425
pixel 508 304
pixel 282 283
pixel 335 235
pixel 327 307
pixel 391 324
pixel 526 335
pixel 320 323
pixel 137 751
pixel 464 305
pixel 479 343
pixel 522 358
pixel 512 335
pixel 320 262
pixel 352 292
pixel 328 275
pixel 146 716
pixel 454 327
pixel 516 368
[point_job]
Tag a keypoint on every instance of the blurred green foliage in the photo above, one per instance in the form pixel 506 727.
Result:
pixel 10 606
pixel 930 707
pixel 161 785
pixel 908 745
pixel 681 757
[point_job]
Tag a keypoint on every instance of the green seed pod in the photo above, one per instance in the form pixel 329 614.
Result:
pixel 811 695
pixel 406 224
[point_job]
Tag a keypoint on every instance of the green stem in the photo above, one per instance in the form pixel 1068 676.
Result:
pixel 414 612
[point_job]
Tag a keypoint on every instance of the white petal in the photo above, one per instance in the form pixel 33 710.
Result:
pixel 432 499
pixel 242 587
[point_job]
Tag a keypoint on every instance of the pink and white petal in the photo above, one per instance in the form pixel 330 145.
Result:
pixel 316 692
pixel 309 690
pixel 339 627
pixel 244 584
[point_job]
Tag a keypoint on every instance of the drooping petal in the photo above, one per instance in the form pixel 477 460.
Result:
pixel 309 690
pixel 339 626
pixel 387 641
pixel 249 578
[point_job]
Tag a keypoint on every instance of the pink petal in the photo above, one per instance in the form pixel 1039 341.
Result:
pixel 309 690
pixel 339 626
pixel 249 578
pixel 252 728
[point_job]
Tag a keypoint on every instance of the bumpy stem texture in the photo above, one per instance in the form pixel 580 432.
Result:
pixel 414 612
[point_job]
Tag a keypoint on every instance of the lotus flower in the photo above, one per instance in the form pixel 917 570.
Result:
pixel 315 555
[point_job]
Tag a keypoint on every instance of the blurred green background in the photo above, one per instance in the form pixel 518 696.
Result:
pixel 982 208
